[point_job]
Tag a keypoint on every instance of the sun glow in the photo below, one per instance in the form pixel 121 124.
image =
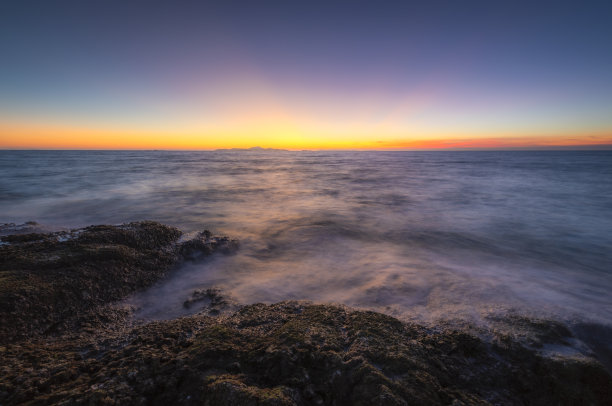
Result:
pixel 270 133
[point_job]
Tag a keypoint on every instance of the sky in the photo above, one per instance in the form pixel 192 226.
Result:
pixel 305 74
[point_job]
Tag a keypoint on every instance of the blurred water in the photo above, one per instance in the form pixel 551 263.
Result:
pixel 419 235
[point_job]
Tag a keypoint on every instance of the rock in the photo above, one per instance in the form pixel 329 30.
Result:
pixel 48 279
pixel 25 228
pixel 65 342
pixel 210 299
pixel 293 353
pixel 204 244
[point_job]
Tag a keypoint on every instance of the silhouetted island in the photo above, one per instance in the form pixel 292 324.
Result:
pixel 252 149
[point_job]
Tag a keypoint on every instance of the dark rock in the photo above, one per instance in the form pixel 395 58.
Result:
pixel 48 279
pixel 211 298
pixel 289 353
pixel 26 228
pixel 204 243
pixel 292 353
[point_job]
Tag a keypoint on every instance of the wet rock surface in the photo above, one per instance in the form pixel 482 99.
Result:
pixel 211 300
pixel 289 353
pixel 50 280
pixel 25 228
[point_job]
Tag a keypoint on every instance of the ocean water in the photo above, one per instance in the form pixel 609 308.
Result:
pixel 418 235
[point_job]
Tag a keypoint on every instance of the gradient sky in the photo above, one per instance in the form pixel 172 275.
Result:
pixel 108 74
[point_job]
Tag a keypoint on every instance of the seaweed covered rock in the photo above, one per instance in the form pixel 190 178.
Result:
pixel 47 279
pixel 293 353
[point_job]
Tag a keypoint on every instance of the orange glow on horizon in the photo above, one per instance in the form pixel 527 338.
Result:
pixel 19 136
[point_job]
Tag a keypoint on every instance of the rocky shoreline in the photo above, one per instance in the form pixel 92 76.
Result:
pixel 64 340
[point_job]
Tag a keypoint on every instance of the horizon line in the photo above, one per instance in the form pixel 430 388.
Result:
pixel 578 147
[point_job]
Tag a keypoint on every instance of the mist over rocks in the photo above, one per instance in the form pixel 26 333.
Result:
pixel 66 341
pixel 449 234
pixel 49 280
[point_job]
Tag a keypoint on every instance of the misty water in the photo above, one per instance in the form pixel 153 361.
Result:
pixel 418 235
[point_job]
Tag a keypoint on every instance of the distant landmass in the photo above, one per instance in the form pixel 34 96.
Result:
pixel 252 149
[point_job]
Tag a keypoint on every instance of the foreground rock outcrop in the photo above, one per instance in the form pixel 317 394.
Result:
pixel 289 353
pixel 48 281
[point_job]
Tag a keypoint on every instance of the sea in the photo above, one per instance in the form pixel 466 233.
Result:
pixel 420 235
